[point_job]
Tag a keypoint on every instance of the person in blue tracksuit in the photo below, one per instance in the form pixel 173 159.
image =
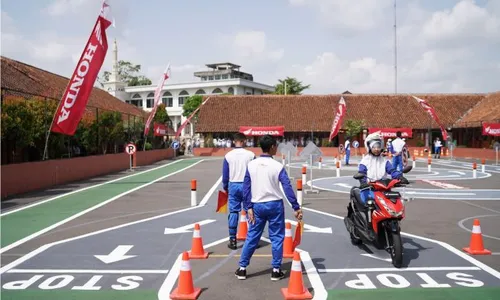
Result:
pixel 263 199
pixel 233 172
pixel 397 152
pixel 347 147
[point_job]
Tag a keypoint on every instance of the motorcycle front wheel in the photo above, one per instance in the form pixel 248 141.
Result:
pixel 397 249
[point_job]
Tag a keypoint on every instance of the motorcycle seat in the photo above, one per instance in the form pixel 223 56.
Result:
pixel 356 194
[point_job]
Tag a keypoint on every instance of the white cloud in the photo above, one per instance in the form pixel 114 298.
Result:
pixel 442 51
pixel 359 15
pixel 62 7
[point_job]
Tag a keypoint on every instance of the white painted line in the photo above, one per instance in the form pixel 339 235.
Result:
pixel 210 192
pixel 168 284
pixel 414 269
pixel 186 228
pixel 84 189
pixel 461 225
pixel 82 271
pixel 458 172
pixel 495 253
pixel 311 228
pixel 376 257
pixel 442 184
pixel 437 193
pixel 38 233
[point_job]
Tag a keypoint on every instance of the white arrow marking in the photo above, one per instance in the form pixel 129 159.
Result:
pixel 311 228
pixel 376 257
pixel 116 255
pixel 186 228
pixel 458 172
pixel 344 185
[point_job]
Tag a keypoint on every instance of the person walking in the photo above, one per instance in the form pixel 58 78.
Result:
pixel 263 200
pixel 234 167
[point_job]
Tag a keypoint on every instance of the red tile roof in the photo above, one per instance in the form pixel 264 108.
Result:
pixel 303 113
pixel 486 110
pixel 18 78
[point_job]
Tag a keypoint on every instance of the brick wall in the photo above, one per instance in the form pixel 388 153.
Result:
pixel 32 176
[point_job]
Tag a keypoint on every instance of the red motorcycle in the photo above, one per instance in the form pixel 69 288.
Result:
pixel 379 221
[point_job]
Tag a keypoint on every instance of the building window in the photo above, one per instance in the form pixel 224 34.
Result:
pixel 200 92
pixel 217 91
pixel 204 78
pixel 136 100
pixel 217 77
pixel 167 99
pixel 210 78
pixel 183 97
pixel 225 76
pixel 150 100
pixel 230 90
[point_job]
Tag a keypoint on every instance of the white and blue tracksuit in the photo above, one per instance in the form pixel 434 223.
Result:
pixel 375 168
pixel 347 151
pixel 262 193
pixel 233 172
pixel 397 147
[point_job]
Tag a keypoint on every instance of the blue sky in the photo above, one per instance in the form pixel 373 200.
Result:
pixel 334 45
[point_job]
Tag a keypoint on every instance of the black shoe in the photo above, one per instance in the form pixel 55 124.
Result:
pixel 232 244
pixel 241 274
pixel 277 275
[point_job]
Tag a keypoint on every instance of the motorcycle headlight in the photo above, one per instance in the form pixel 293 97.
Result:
pixel 390 210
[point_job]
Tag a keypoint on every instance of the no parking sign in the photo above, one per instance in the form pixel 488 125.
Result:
pixel 130 149
pixel 341 149
pixel 355 144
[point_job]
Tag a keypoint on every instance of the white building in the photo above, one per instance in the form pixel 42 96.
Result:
pixel 219 78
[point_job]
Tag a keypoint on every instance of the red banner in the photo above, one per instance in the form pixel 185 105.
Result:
pixel 491 129
pixel 391 132
pixel 81 84
pixel 179 130
pixel 260 131
pixel 337 122
pixel 433 114
pixel 160 129
pixel 156 100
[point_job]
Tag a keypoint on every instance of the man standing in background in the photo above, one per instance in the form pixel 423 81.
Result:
pixel 397 148
pixel 347 150
pixel 233 172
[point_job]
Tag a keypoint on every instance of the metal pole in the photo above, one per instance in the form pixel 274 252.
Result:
pixel 496 154
pixel 130 156
pixel 395 53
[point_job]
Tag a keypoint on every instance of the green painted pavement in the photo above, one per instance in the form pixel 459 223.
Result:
pixel 482 293
pixel 23 223
pixel 79 295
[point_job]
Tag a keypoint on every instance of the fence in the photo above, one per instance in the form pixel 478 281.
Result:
pixel 26 119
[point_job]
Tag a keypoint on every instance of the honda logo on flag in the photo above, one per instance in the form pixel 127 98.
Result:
pixel 337 121
pixel 260 131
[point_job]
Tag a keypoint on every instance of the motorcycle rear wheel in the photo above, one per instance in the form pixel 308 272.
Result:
pixel 397 250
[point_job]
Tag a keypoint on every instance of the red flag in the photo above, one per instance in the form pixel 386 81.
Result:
pixel 298 234
pixel 337 122
pixel 179 130
pixel 433 114
pixel 156 100
pixel 81 84
pixel 222 202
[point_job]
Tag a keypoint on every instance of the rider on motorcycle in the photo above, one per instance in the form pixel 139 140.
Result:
pixel 375 167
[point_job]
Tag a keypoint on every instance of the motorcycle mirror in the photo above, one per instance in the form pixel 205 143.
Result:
pixel 358 176
pixel 407 169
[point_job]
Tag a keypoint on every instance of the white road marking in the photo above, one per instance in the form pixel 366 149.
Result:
pixel 118 254
pixel 414 269
pixel 311 228
pixel 461 225
pixel 40 232
pixel 443 185
pixel 376 257
pixel 458 172
pixel 210 192
pixel 84 189
pixel 83 271
pixel 186 228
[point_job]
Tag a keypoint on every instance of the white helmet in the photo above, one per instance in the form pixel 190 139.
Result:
pixel 372 140
pixel 389 140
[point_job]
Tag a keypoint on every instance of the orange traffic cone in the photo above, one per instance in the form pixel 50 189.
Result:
pixel 476 246
pixel 197 250
pixel 288 243
pixel 185 289
pixel 296 288
pixel 242 227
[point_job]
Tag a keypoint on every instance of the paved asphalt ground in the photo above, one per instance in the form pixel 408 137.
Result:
pixel 54 252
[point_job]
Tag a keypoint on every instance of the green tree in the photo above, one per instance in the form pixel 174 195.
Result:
pixel 353 127
pixel 293 86
pixel 191 104
pixel 161 115
pixel 129 73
